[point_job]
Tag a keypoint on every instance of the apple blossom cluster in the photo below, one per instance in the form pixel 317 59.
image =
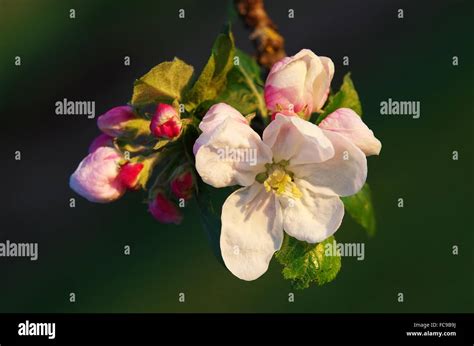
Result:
pixel 170 138
pixel 302 169
pixel 105 174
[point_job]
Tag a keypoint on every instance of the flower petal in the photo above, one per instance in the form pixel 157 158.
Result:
pixel 344 174
pixel 322 83
pixel 299 141
pixel 217 114
pixel 201 140
pixel 290 84
pixel 286 79
pixel 96 176
pixel 251 231
pixel 313 217
pixel 214 117
pixel 347 123
pixel 233 154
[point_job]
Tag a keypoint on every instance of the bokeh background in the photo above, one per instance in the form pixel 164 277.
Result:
pixel 81 249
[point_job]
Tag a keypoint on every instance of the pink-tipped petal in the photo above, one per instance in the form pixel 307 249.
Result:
pixel 213 119
pixel 113 121
pixel 298 84
pixel 96 176
pixel 347 123
pixel 217 114
pixel 102 140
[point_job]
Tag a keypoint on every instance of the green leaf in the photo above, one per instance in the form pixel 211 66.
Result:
pixel 135 128
pixel 214 75
pixel 161 143
pixel 346 97
pixel 232 14
pixel 305 263
pixel 164 82
pixel 244 86
pixel 360 207
pixel 133 148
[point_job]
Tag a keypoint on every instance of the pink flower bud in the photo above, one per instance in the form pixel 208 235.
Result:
pixel 299 84
pixel 129 174
pixel 101 140
pixel 166 122
pixel 96 176
pixel 112 122
pixel 164 210
pixel 182 185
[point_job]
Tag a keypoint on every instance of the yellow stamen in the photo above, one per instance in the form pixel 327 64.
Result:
pixel 280 182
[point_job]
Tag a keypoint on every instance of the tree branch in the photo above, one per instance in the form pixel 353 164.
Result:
pixel 265 36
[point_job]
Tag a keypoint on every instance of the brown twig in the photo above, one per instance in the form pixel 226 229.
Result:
pixel 267 40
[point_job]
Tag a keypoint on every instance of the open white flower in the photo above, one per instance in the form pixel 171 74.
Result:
pixel 294 185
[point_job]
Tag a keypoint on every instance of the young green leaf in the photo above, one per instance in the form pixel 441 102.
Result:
pixel 304 263
pixel 164 82
pixel 135 128
pixel 161 143
pixel 133 148
pixel 346 97
pixel 244 86
pixel 360 207
pixel 214 75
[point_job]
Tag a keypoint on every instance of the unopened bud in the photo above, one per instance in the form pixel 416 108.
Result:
pixel 166 122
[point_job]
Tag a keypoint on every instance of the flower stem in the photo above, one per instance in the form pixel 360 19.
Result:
pixel 261 104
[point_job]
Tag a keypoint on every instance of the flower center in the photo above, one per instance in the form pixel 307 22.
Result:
pixel 279 180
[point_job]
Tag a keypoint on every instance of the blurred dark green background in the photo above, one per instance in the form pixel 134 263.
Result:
pixel 81 249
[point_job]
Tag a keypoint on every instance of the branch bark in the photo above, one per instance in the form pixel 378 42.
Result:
pixel 269 43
